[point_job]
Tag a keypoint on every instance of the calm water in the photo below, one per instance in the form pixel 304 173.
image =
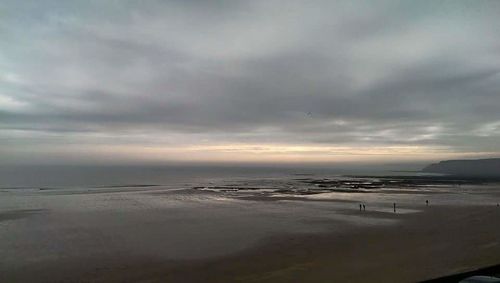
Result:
pixel 92 176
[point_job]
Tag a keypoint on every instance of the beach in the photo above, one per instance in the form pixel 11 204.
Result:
pixel 153 234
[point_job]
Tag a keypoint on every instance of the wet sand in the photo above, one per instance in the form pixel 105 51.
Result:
pixel 18 214
pixel 437 241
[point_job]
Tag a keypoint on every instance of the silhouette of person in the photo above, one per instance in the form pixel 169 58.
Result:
pixel 394 204
pixel 364 207
pixel 360 207
pixel 427 202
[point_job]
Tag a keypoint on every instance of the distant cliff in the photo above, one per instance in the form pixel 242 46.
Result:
pixel 477 167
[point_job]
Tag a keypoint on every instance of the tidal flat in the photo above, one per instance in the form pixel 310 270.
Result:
pixel 286 229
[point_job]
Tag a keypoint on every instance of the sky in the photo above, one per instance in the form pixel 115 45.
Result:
pixel 248 81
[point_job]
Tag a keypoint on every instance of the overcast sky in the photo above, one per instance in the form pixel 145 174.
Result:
pixel 253 81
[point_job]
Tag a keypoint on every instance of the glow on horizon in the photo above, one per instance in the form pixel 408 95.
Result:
pixel 295 153
pixel 245 153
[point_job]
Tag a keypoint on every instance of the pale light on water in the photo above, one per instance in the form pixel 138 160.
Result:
pixel 197 213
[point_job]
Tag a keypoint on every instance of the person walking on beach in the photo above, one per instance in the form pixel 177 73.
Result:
pixel 360 207
pixel 394 205
pixel 364 207
pixel 426 202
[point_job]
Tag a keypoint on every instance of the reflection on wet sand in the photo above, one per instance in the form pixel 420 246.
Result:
pixel 250 230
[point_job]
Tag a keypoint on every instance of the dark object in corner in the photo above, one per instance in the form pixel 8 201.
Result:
pixel 487 271
pixel 481 279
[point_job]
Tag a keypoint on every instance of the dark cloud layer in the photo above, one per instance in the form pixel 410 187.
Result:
pixel 345 73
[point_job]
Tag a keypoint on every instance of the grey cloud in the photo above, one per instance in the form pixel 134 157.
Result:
pixel 297 72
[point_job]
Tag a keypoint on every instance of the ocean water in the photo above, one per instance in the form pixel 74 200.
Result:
pixel 54 214
pixel 91 176
pixel 94 176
